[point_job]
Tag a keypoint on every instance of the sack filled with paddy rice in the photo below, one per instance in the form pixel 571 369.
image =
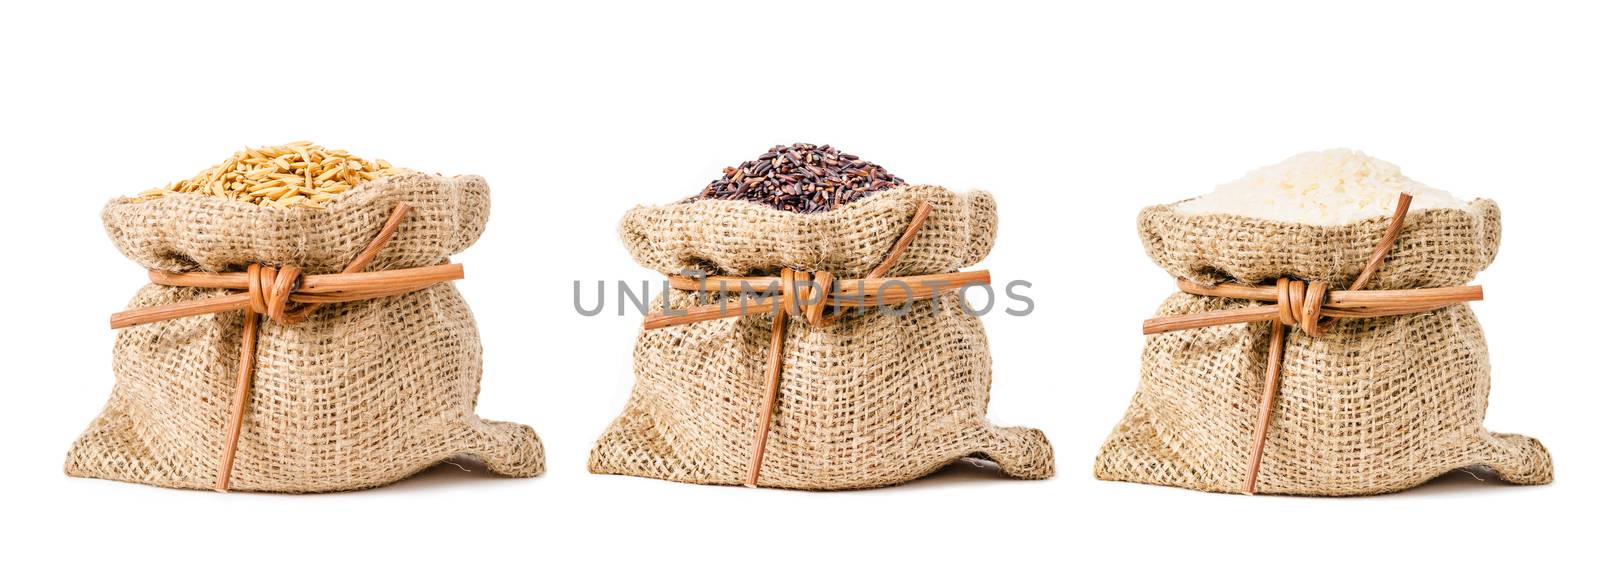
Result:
pixel 347 395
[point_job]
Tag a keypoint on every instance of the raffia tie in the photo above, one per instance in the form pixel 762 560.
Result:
pixel 269 291
pixel 809 296
pixel 1311 307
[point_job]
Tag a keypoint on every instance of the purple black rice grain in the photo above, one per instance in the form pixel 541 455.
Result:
pixel 801 178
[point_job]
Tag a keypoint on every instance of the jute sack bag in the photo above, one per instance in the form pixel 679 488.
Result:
pixel 358 394
pixel 1370 405
pixel 866 400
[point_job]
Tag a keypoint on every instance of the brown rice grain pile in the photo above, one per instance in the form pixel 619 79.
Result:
pixel 298 174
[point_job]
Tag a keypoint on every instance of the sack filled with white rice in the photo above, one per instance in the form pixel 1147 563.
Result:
pixel 1366 405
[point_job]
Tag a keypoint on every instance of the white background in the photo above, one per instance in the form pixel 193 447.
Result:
pixel 1073 116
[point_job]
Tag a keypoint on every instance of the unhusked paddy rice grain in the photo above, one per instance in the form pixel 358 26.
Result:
pixel 298 174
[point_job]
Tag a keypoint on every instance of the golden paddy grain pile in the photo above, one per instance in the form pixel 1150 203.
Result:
pixel 299 174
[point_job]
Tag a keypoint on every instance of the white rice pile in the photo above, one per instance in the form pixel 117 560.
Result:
pixel 1326 188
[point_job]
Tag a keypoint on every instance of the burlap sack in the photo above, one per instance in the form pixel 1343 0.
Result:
pixel 870 400
pixel 1372 406
pixel 358 395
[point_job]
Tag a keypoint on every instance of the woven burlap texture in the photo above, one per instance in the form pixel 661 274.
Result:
pixel 358 395
pixel 1371 406
pixel 871 400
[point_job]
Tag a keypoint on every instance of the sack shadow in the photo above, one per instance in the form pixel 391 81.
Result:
pixel 469 472
pixel 963 471
pixel 1460 482
pixel 449 473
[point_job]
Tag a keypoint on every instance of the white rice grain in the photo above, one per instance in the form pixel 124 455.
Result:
pixel 1326 188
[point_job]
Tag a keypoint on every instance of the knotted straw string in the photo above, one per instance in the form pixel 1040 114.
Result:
pixel 1311 307
pixel 268 291
pixel 809 296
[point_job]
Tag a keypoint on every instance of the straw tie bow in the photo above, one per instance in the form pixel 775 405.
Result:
pixel 268 291
pixel 1311 307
